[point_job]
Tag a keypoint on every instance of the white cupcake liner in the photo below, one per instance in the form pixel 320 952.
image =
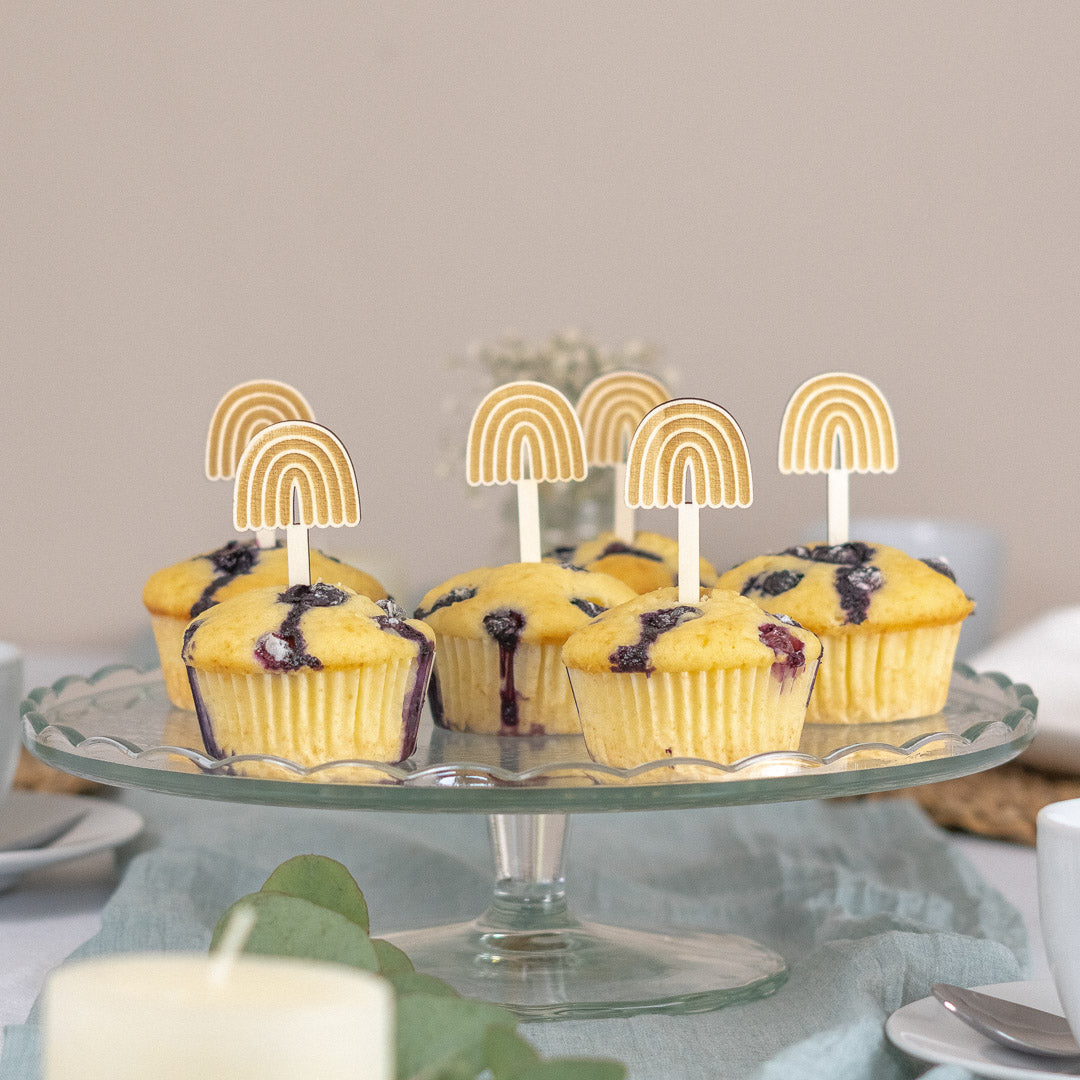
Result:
pixel 469 688
pixel 169 636
pixel 892 675
pixel 629 718
pixel 308 717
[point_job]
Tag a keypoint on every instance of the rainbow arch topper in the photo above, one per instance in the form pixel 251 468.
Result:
pixel 837 421
pixel 294 475
pixel 295 457
pixel 837 424
pixel 611 407
pixel 521 433
pixel 688 451
pixel 525 430
pixel 243 412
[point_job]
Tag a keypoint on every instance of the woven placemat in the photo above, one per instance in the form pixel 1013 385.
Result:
pixel 1001 802
pixel 34 775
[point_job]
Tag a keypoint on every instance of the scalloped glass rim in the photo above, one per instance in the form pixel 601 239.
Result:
pixel 112 726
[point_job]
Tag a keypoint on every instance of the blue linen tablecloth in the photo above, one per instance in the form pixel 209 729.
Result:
pixel 867 902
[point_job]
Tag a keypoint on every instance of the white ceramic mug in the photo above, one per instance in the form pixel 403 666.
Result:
pixel 1058 856
pixel 975 553
pixel 11 693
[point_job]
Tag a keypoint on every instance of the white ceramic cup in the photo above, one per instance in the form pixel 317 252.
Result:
pixel 1058 857
pixel 975 553
pixel 11 693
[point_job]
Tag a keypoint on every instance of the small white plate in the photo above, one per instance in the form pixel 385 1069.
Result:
pixel 926 1030
pixel 105 825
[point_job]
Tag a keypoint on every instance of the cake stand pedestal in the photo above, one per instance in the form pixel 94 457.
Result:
pixel 527 951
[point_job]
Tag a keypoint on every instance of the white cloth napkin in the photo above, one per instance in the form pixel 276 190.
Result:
pixel 1045 654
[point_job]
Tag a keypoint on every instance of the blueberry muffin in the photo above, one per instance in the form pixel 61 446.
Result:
pixel 500 632
pixel 718 679
pixel 178 593
pixel 650 562
pixel 311 673
pixel 889 624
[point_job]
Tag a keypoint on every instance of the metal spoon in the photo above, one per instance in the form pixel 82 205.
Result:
pixel 1018 1027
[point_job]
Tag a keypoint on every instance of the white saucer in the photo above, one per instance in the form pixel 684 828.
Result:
pixel 927 1031
pixel 105 825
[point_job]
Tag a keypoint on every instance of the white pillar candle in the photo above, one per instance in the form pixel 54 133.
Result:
pixel 170 1016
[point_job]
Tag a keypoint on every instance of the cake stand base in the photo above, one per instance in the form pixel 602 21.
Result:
pixel 528 954
pixel 585 970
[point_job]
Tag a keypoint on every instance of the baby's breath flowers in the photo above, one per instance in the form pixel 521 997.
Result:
pixel 569 361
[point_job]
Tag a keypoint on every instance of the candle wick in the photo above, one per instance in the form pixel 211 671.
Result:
pixel 233 938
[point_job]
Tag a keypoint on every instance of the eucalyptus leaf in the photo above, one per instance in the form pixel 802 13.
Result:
pixel 436 1032
pixel 311 907
pixel 323 881
pixel 292 926
pixel 391 959
pixel 462 1067
pixel 416 982
pixel 507 1054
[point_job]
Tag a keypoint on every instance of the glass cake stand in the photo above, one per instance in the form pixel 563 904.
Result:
pixel 527 951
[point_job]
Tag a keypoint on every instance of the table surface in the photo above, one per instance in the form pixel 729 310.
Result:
pixel 52 911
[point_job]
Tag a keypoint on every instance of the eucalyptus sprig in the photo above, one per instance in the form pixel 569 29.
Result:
pixel 312 907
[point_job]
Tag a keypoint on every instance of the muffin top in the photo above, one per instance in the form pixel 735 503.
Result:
pixel 722 630
pixel 651 562
pixel 538 603
pixel 839 588
pixel 188 588
pixel 319 626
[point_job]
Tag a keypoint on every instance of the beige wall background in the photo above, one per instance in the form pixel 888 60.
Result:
pixel 345 195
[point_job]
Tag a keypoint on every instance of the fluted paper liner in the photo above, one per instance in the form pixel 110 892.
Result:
pixel 469 681
pixel 169 636
pixel 891 675
pixel 721 715
pixel 310 717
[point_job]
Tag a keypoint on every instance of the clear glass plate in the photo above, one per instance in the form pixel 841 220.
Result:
pixel 527 951
pixel 118 727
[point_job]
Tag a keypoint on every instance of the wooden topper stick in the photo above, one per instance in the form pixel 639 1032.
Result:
pixel 292 476
pixel 610 408
pixel 523 433
pixel 688 453
pixel 243 412
pixel 837 424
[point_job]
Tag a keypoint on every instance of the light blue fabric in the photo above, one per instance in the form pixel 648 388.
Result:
pixel 867 902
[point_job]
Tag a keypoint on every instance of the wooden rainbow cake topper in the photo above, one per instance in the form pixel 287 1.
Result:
pixel 521 433
pixel 295 475
pixel 610 409
pixel 688 453
pixel 243 412
pixel 837 424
